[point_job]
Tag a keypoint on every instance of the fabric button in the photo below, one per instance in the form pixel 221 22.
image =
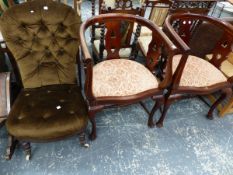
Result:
pixel 71 112
pixel 62 100
pixel 27 94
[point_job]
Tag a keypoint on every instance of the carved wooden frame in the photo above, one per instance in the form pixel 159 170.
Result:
pixel 192 6
pixel 177 92
pixel 96 104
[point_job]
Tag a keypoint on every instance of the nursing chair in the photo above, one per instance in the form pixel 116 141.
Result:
pixel 194 75
pixel 116 81
pixel 43 37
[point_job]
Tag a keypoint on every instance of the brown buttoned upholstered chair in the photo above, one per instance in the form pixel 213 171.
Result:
pixel 116 81
pixel 194 75
pixel 43 37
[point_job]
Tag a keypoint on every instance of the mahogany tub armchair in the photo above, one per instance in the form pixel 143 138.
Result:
pixel 205 36
pixel 194 75
pixel 116 81
pixel 45 45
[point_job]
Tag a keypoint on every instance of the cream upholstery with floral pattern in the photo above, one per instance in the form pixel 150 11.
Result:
pixel 121 77
pixel 124 52
pixel 198 72
pixel 144 42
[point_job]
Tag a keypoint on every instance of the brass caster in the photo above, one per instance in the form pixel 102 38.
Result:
pixel 86 145
pixel 28 157
pixel 8 154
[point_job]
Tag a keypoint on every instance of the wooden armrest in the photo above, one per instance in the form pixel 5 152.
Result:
pixel 4 94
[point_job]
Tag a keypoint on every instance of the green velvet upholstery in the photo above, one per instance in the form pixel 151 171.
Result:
pixel 47 113
pixel 43 36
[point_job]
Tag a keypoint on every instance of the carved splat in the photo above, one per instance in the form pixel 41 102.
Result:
pixel 113 38
pixel 222 50
pixel 154 52
pixel 185 28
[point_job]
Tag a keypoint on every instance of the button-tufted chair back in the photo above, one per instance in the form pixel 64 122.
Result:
pixel 43 36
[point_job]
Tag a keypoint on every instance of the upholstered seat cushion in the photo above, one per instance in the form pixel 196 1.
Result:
pixel 144 42
pixel 121 77
pixel 198 72
pixel 48 112
pixel 124 52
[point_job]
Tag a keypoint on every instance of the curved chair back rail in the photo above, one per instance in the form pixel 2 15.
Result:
pixel 35 30
pixel 112 21
pixel 181 28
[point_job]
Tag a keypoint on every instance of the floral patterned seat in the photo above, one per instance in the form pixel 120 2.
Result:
pixel 198 72
pixel 121 77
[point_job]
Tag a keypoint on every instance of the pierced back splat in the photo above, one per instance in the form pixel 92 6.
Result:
pixel 113 39
pixel 222 50
pixel 154 52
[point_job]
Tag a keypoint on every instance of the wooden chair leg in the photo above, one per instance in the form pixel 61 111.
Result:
pixel 150 122
pixel 225 94
pixel 12 142
pixel 27 149
pixel 91 115
pixel 82 140
pixel 159 124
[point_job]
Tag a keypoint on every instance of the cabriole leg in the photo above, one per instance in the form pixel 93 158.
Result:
pixel 150 122
pixel 167 104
